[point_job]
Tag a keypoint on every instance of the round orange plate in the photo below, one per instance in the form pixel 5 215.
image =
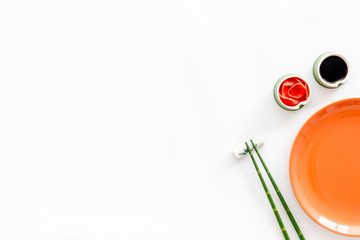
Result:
pixel 325 167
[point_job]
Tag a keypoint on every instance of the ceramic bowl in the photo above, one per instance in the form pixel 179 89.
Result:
pixel 321 79
pixel 277 93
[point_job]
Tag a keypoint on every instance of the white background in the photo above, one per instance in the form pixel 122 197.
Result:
pixel 118 118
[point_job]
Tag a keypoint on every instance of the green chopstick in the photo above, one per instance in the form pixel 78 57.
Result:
pixel 273 206
pixel 291 217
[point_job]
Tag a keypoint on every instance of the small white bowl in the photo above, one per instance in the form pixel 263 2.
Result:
pixel 277 97
pixel 320 79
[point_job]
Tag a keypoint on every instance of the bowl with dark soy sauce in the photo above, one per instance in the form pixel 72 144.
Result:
pixel 331 70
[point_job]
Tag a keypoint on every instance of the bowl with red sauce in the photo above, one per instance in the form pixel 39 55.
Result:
pixel 292 92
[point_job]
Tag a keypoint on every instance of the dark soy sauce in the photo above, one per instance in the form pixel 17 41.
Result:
pixel 333 69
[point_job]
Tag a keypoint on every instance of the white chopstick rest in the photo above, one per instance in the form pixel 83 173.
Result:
pixel 241 152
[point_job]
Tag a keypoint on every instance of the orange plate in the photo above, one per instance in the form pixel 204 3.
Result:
pixel 325 167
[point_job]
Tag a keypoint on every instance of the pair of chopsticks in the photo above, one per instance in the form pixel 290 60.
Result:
pixel 273 206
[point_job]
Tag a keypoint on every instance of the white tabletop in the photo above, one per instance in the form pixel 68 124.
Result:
pixel 118 118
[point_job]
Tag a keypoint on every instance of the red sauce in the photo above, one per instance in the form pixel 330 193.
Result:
pixel 293 91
